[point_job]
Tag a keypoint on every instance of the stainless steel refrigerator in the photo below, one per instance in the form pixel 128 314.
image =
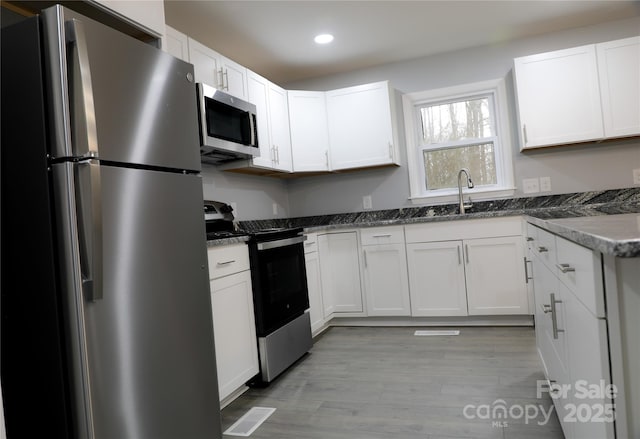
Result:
pixel 106 317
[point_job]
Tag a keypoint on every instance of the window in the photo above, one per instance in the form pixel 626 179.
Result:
pixel 454 128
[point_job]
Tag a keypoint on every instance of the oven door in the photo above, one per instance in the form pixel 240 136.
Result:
pixel 279 282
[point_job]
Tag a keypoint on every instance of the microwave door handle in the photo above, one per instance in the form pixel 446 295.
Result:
pixel 252 127
pixel 84 88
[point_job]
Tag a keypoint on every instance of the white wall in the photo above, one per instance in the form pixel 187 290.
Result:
pixel 253 195
pixel 607 165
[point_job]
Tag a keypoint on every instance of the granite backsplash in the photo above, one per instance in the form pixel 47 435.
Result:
pixel 608 202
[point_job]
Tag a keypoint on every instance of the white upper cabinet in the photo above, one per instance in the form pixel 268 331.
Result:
pixel 258 91
pixel 580 94
pixel 309 130
pixel 273 123
pixel 279 124
pixel 176 43
pixel 361 123
pixel 147 13
pixel 619 72
pixel 216 70
pixel 558 97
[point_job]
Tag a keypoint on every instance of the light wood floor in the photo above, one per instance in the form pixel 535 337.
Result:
pixel 371 383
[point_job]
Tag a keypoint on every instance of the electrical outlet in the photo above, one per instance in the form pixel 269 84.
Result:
pixel 530 185
pixel 636 176
pixel 545 184
pixel 367 203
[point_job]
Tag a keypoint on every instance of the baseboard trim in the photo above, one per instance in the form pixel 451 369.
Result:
pixel 524 320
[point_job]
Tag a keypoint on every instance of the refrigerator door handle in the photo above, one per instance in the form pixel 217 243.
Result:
pixel 89 199
pixel 82 92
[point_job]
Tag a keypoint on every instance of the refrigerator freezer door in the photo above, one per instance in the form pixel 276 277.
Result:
pixel 149 339
pixel 142 99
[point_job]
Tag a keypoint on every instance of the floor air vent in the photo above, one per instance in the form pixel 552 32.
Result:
pixel 437 332
pixel 250 421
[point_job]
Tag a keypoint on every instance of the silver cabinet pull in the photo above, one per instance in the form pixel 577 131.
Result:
pixel 226 262
pixel 529 238
pixel 220 83
pixel 326 158
pixel 459 256
pixel 225 75
pixel 554 316
pixel 365 259
pixel 526 271
pixel 542 249
pixel 546 308
pixel 565 268
pixel 524 133
pixel 385 235
pixel 466 250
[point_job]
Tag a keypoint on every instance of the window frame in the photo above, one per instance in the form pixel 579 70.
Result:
pixel 412 102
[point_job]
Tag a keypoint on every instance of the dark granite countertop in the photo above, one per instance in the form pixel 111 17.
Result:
pixel 548 207
pixel 617 235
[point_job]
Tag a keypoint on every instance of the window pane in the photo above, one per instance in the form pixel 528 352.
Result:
pixel 442 166
pixel 461 120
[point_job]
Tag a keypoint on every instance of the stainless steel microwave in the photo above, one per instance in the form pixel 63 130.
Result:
pixel 228 126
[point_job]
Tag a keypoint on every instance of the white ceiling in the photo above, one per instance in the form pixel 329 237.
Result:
pixel 275 38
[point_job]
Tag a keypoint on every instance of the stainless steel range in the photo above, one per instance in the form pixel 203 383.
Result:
pixel 280 295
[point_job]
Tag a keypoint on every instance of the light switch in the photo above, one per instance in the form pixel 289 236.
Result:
pixel 545 184
pixel 367 203
pixel 530 185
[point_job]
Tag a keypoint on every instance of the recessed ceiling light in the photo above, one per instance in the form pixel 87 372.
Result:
pixel 323 38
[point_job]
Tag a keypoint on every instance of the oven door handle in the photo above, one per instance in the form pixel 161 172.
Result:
pixel 281 242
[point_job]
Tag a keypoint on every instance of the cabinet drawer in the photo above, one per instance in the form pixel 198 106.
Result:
pixel 382 235
pixel 545 249
pixel 531 236
pixel 226 260
pixel 579 269
pixel 311 244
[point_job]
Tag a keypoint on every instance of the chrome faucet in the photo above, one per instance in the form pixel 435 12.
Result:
pixel 469 185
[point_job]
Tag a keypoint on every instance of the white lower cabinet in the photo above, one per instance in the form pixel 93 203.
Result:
pixel 385 280
pixel 436 279
pixel 571 335
pixel 233 318
pixel 314 286
pixel 340 273
pixel 495 276
pixel 482 273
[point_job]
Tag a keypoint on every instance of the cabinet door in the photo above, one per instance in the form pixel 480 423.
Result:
pixel 148 13
pixel 436 279
pixel 279 123
pixel 386 281
pixel 234 77
pixel 258 90
pixel 340 272
pixel 206 65
pixel 309 130
pixel 361 131
pixel 588 353
pixel 176 43
pixel 316 308
pixel 495 276
pixel 234 331
pixel 558 97
pixel 619 72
